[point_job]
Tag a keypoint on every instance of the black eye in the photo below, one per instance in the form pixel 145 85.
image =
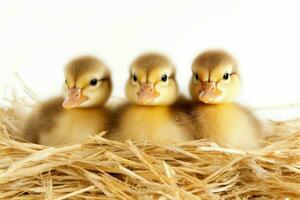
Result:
pixel 93 82
pixel 134 78
pixel 164 78
pixel 196 76
pixel 226 76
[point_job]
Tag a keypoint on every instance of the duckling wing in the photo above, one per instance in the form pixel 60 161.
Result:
pixel 42 119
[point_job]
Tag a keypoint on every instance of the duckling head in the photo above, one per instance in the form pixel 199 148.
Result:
pixel 87 83
pixel 152 81
pixel 215 78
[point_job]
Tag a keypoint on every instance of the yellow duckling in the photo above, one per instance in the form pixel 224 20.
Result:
pixel 214 85
pixel 151 114
pixel 80 113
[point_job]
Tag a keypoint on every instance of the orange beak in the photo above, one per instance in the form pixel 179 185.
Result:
pixel 147 93
pixel 75 99
pixel 209 92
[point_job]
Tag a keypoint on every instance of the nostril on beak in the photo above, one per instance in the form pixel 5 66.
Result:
pixel 208 85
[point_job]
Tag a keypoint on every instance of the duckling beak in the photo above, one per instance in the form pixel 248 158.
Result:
pixel 75 99
pixel 147 93
pixel 209 92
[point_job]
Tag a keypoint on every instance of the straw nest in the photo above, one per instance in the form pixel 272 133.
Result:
pixel 103 169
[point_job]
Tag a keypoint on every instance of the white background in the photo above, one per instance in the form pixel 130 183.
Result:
pixel 38 37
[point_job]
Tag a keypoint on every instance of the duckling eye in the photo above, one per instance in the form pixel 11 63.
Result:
pixel 93 82
pixel 226 76
pixel 164 78
pixel 134 78
pixel 196 76
pixel 66 82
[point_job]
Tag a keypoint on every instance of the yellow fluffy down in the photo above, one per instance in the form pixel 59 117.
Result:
pixel 103 169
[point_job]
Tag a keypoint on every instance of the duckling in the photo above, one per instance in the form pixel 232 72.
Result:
pixel 80 113
pixel 151 113
pixel 214 86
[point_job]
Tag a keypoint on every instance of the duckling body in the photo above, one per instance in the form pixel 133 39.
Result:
pixel 228 124
pixel 80 113
pixel 152 114
pixel 213 87
pixel 52 125
pixel 158 124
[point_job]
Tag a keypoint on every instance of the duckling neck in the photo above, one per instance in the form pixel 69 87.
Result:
pixel 202 104
pixel 83 109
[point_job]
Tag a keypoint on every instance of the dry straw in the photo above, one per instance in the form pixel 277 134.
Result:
pixel 103 169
